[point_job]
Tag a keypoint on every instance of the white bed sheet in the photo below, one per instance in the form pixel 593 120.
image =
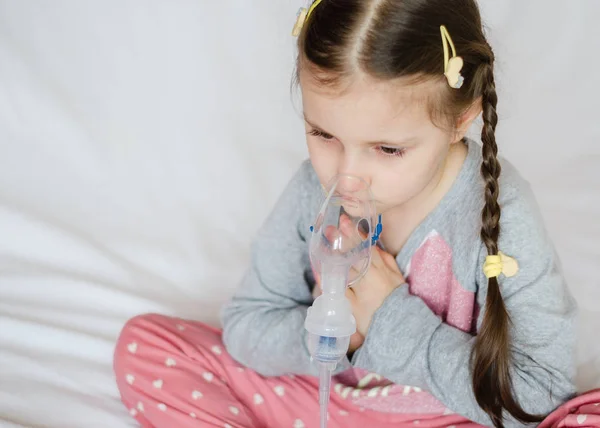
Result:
pixel 142 144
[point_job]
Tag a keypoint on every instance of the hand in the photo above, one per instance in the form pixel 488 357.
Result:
pixel 357 339
pixel 366 297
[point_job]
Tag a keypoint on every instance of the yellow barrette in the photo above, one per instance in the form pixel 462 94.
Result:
pixel 495 265
pixel 452 66
pixel 303 15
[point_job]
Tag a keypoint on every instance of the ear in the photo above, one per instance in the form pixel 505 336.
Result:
pixel 466 119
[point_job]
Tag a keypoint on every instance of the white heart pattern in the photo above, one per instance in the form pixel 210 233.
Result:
pixel 344 413
pixel 227 426
pixel 132 347
pixel 158 383
pixel 193 415
pixel 140 406
pixel 298 423
pixel 180 327
pixel 234 410
pixel 279 390
pixel 170 362
pixel 208 376
pixel 133 412
pixel 258 399
pixel 130 379
pixel 581 419
pixel 217 350
pixel 196 395
pixel 162 407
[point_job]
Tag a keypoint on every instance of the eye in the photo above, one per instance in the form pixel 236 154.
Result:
pixel 321 134
pixel 391 151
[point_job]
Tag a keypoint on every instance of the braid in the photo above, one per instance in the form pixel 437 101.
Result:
pixel 490 168
pixel 491 358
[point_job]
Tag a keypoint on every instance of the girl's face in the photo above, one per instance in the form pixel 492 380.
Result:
pixel 379 131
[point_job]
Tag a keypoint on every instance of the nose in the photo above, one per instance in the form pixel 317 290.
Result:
pixel 351 165
pixel 349 185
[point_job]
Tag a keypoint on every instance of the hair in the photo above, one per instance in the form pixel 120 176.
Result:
pixel 394 39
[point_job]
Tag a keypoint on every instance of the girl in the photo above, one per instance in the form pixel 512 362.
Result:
pixel 463 315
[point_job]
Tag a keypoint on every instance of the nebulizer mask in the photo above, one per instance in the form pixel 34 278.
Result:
pixel 340 254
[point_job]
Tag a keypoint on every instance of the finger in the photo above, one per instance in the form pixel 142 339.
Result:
pixel 353 273
pixel 388 260
pixel 343 233
pixel 357 273
pixel 376 257
pixel 392 266
pixel 351 296
pixel 317 291
pixel 346 225
pixel 331 233
pixel 349 231
pixel 317 276
pixel 356 341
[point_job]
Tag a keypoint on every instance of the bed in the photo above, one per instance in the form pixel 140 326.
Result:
pixel 143 143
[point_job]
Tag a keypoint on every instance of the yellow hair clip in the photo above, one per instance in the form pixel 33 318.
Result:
pixel 303 15
pixel 452 66
pixel 495 265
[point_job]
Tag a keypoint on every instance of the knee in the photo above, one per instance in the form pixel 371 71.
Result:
pixel 134 332
pixel 140 322
pixel 150 335
pixel 152 338
pixel 137 327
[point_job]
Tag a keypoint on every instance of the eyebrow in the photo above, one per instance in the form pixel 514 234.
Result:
pixel 370 143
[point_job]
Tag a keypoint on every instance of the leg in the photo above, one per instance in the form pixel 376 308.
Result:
pixel 172 372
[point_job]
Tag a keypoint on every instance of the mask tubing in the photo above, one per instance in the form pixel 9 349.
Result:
pixel 324 391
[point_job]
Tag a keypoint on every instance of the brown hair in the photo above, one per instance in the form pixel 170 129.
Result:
pixel 392 39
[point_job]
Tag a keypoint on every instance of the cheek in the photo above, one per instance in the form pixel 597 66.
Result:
pixel 403 181
pixel 394 187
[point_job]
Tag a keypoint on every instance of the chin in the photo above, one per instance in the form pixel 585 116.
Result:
pixel 383 207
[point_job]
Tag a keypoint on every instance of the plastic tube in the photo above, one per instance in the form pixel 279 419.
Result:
pixel 324 391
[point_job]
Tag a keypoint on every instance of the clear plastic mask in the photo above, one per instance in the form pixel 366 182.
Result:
pixel 345 229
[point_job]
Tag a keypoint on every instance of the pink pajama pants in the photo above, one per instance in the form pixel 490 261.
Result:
pixel 176 373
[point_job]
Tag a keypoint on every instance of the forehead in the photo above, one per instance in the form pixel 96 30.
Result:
pixel 364 103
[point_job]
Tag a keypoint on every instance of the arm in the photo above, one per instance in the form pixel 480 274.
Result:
pixel 409 344
pixel 264 322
